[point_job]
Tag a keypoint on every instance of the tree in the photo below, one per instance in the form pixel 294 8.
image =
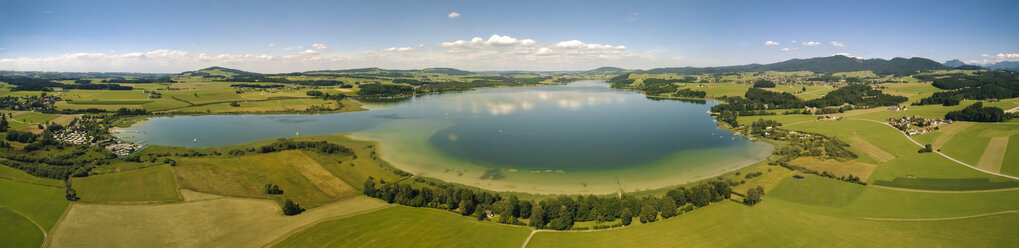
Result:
pixel 668 207
pixel 537 217
pixel 764 84
pixel 926 148
pixel 525 209
pixel 3 123
pixel 754 195
pixel 627 217
pixel 648 212
pixel 291 208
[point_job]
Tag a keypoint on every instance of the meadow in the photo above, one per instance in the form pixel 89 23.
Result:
pixel 150 184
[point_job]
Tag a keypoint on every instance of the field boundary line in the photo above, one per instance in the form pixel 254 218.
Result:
pixel 943 191
pixel 939 153
pixel 945 218
pixel 45 235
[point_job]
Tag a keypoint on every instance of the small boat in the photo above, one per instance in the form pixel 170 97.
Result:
pixel 195 141
pixel 298 133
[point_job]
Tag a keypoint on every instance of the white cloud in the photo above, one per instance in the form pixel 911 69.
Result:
pixel 811 43
pixel 495 53
pixel 494 40
pixel 272 44
pixel 786 49
pixel 397 49
pixel 319 46
pixel 772 43
pixel 453 14
pixel 838 44
pixel 794 42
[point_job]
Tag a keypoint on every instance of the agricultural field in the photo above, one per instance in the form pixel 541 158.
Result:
pixel 807 218
pixel 151 184
pixel 201 221
pixel 28 210
pixel 301 178
pixel 431 228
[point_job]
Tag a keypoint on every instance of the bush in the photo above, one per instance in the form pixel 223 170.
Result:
pixel 753 196
pixel 291 208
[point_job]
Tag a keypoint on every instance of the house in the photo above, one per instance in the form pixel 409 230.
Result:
pixel 992 100
pixel 894 108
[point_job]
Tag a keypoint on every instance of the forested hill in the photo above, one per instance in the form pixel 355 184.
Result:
pixel 837 63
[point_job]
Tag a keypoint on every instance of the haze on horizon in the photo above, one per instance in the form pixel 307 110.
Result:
pixel 275 36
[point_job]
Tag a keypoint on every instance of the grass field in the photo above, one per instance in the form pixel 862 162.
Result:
pixel 837 168
pixel 43 204
pixel 897 160
pixel 301 178
pixel 20 176
pixel 209 222
pixel 152 184
pixel 18 231
pixel 821 212
pixel 1010 164
pixel 969 144
pixel 408 227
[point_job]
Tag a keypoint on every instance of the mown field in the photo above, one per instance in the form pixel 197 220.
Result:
pixel 408 227
pixel 18 231
pixel 151 184
pixel 209 221
pixel 36 203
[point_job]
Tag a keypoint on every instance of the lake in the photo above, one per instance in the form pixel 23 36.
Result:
pixel 578 138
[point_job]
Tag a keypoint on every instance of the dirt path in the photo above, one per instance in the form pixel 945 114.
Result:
pixel 946 218
pixel 45 236
pixel 994 154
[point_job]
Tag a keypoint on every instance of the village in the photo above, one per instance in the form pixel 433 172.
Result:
pixel 77 134
pixel 924 125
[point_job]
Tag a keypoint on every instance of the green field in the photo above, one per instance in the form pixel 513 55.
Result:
pixel 301 178
pixel 152 184
pixel 44 204
pixel 20 176
pixel 17 231
pixel 820 212
pixel 205 221
pixel 408 227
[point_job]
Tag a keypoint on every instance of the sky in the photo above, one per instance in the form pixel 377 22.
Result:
pixel 290 36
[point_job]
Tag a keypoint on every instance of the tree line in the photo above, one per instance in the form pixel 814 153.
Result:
pixel 557 213
pixel 977 112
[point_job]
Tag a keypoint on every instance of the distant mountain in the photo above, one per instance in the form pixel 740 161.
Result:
pixel 833 64
pixel 1004 65
pixel 954 63
pixel 217 71
pixel 447 71
pixel 607 71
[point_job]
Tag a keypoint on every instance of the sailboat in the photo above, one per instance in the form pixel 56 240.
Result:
pixel 298 133
pixel 195 141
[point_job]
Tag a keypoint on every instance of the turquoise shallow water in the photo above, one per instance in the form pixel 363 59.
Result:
pixel 583 126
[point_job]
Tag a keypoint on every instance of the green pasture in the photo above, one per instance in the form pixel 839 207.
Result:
pixel 402 226
pixel 152 184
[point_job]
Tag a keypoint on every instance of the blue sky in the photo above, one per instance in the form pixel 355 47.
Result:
pixel 280 36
